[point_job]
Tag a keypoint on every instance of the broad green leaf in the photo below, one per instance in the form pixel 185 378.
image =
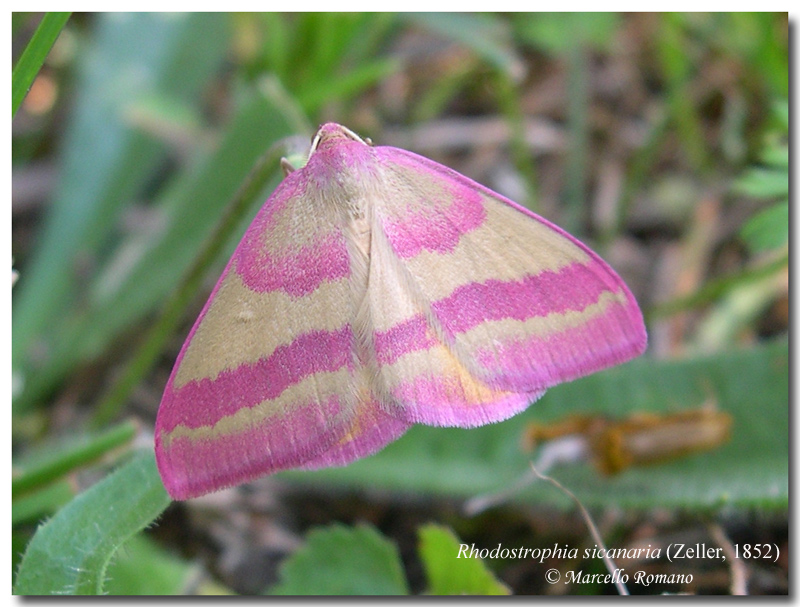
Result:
pixel 751 470
pixel 141 567
pixel 340 560
pixel 70 553
pixel 449 567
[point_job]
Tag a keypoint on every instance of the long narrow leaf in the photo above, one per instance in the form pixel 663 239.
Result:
pixel 34 55
pixel 64 461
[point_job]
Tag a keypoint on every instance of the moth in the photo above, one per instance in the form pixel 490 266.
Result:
pixel 374 290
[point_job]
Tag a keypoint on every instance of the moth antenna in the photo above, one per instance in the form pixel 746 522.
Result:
pixel 287 167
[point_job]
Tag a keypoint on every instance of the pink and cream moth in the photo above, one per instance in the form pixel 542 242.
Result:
pixel 374 290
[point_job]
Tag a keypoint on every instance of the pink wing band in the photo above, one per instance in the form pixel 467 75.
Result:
pixel 599 342
pixel 549 293
pixel 207 401
pixel 461 213
pixel 297 273
pixel 409 336
pixel 194 466
pixel 570 289
pixel 295 268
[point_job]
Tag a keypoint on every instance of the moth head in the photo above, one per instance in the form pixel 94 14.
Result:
pixel 340 160
pixel 332 133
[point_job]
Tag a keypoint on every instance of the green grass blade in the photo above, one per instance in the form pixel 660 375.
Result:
pixel 34 506
pixel 341 86
pixel 34 55
pixel 64 461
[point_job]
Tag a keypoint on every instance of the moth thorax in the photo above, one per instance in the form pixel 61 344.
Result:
pixel 359 228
